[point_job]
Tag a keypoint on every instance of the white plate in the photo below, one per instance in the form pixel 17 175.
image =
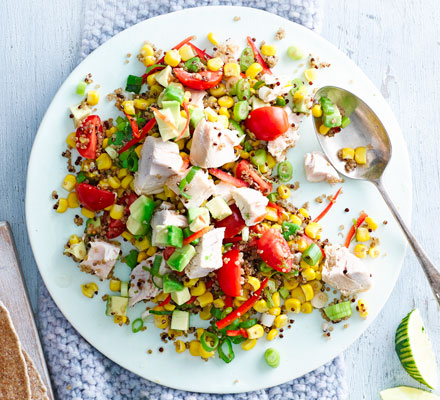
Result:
pixel 303 348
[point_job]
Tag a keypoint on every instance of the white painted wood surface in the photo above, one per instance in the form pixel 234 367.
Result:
pixel 395 42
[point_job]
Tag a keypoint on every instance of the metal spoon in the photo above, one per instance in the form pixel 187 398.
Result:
pixel 366 129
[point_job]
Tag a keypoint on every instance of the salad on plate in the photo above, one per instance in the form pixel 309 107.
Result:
pixel 189 186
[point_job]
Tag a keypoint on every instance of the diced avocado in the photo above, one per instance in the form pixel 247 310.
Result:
pixel 257 103
pixel 116 305
pixel 78 250
pixel 175 236
pixel 198 218
pixel 332 120
pixel 142 209
pixel 173 92
pixel 181 297
pixel 195 116
pixel 171 284
pixel 180 320
pixel 188 232
pixel 163 77
pixel 218 208
pixel 181 257
pixel 80 113
pixel 160 236
pixel 300 107
pixel 135 227
pixel 124 289
pixel 166 131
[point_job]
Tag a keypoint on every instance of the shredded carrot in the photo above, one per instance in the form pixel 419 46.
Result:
pixel 185 106
pixel 353 228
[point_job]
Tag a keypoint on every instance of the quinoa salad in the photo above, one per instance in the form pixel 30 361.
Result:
pixel 192 175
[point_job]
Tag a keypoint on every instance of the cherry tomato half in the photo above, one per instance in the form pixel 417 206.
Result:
pixel 115 228
pixel 229 275
pixel 234 224
pixel 93 198
pixel 275 251
pixel 86 136
pixel 247 173
pixel 198 80
pixel 267 123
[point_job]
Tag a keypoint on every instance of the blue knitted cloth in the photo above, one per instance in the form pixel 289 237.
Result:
pixel 79 372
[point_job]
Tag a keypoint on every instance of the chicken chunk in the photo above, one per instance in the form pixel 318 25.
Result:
pixel 213 145
pixel 200 188
pixel 197 97
pixel 159 160
pixel 101 258
pixel 141 284
pixel 165 217
pixel 278 147
pixel 318 168
pixel 209 254
pixel 224 190
pixel 344 271
pixel 251 203
pixel 281 86
pixel 227 51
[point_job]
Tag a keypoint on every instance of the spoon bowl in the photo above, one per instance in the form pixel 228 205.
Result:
pixel 365 129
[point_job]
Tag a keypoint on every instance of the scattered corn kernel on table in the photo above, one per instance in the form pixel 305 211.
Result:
pixel 36 58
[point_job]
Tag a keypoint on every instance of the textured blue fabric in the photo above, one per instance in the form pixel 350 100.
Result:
pixel 80 372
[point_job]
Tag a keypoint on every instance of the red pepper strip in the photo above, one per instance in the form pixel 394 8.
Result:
pixel 352 230
pixel 258 56
pixel 236 332
pixel 134 125
pixel 329 205
pixel 200 53
pixel 191 300
pixel 228 178
pixel 185 106
pixel 196 235
pixel 280 210
pixel 166 301
pixel 233 240
pixel 147 128
pixel 244 308
pixel 228 301
pixel 244 332
pixel 310 241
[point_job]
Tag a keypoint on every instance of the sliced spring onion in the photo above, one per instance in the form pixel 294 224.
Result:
pixel 280 101
pixel 273 197
pixel 131 258
pixel 192 65
pixel 238 339
pixel 285 171
pixel 134 84
pixel 81 88
pixel 264 268
pixel 80 177
pixel 295 53
pixel 241 110
pixel 236 126
pixel 312 254
pixel 160 312
pixel 137 325
pixel 272 357
pixel 246 59
pixel 227 358
pixel 296 84
pixel 243 89
pixel 289 230
pixel 248 324
pixel 338 311
pixel 207 346
pixel 284 293
pixel 156 265
pixel 185 181
pixel 111 151
pixel 260 157
pixel 345 122
pixel 259 84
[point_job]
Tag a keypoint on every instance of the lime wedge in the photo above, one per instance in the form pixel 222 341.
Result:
pixel 415 351
pixel 407 393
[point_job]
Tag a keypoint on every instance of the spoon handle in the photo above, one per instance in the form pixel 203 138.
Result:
pixel 431 272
